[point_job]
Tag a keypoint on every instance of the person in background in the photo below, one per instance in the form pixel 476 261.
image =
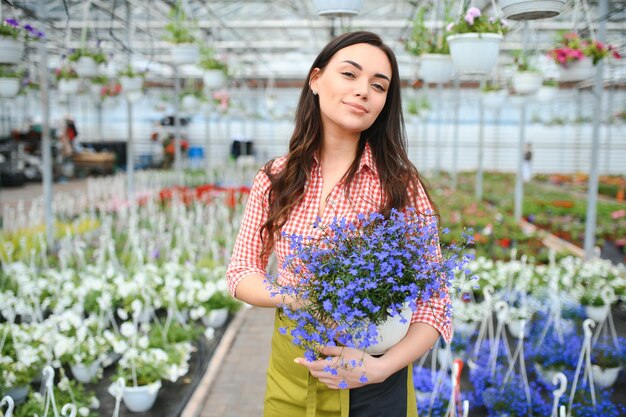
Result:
pixel 527 165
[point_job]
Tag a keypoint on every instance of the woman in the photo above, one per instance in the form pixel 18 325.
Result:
pixel 347 155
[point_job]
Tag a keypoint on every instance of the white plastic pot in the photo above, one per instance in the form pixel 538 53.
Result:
pixel 597 314
pixel 531 9
pixel 85 374
pixel 605 377
pixel 546 93
pixel 190 103
pixel 19 394
pixel 464 328
pixel 9 87
pixel 474 53
pixel 141 399
pixel 11 50
pixel 494 99
pixel 390 332
pixel 184 53
pixel 436 68
pixel 580 70
pixel 515 326
pixel 213 78
pixel 526 83
pixel 215 318
pixel 86 67
pixel 69 86
pixel 338 8
pixel 131 84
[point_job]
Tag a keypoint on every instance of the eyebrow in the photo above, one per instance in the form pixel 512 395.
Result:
pixel 360 68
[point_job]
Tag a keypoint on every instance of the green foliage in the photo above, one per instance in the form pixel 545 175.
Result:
pixel 10 71
pixel 491 86
pixel 521 60
pixel 180 27
pixel 129 72
pixel 474 22
pixel 208 60
pixel 424 40
pixel 97 56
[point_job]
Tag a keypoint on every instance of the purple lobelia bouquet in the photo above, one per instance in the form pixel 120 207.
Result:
pixel 358 274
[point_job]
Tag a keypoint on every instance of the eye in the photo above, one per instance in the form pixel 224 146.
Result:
pixel 348 74
pixel 379 87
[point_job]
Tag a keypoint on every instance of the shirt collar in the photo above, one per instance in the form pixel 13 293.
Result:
pixel 367 159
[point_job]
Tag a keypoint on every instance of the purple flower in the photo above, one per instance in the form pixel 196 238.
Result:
pixel 12 22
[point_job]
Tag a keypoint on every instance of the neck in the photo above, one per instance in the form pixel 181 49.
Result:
pixel 338 150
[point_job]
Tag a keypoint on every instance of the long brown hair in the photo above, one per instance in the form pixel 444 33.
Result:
pixel 386 137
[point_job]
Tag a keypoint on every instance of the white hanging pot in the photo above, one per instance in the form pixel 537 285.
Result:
pixel 597 314
pixel 9 87
pixel 577 71
pixel 338 8
pixel 546 93
pixel 131 84
pixel 190 103
pixel 474 53
pixel 96 90
pixel 515 326
pixel 85 374
pixel 526 82
pixel 391 331
pixel 436 68
pixel 605 377
pixel 69 86
pixel 494 99
pixel 213 78
pixel 86 67
pixel 464 328
pixel 531 9
pixel 141 399
pixel 19 394
pixel 215 318
pixel 184 53
pixel 11 50
pixel 547 375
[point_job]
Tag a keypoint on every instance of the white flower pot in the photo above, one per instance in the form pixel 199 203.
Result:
pixel 605 377
pixel 531 9
pixel 338 8
pixel 9 87
pixel 546 374
pixel 546 93
pixel 474 53
pixel 526 83
pixel 464 328
pixel 515 326
pixel 69 86
pixel 494 99
pixel 19 394
pixel 444 357
pixel 390 332
pixel 582 69
pixel 213 78
pixel 96 90
pixel 215 318
pixel 141 399
pixel 131 84
pixel 190 103
pixel 184 53
pixel 11 50
pixel 436 68
pixel 85 374
pixel 86 67
pixel 597 314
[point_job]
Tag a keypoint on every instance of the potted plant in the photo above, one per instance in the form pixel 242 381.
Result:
pixel 87 62
pixel 10 78
pixel 547 91
pixel 68 79
pixel 475 42
pixel 96 85
pixel 131 80
pixel 431 47
pixel 527 79
pixel 597 301
pixel 181 33
pixel 607 361
pixel 576 56
pixel 11 44
pixel 531 9
pixel 338 8
pixel 214 69
pixel 493 95
pixel 217 308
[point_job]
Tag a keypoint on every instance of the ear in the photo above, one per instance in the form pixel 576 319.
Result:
pixel 315 74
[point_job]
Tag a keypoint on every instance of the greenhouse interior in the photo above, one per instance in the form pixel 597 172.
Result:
pixel 134 138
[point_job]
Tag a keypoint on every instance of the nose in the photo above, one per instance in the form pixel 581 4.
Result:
pixel 361 91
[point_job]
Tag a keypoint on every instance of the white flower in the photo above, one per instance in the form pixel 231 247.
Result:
pixel 209 333
pixel 127 329
pixel 83 411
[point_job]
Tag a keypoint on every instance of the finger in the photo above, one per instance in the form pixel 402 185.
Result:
pixel 331 350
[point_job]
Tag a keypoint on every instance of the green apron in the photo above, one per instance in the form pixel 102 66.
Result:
pixel 292 391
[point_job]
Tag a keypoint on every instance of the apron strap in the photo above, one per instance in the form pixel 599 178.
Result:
pixel 311 396
pixel 344 402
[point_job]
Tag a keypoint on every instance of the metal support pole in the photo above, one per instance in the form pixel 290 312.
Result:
pixel 207 141
pixel 130 156
pixel 592 187
pixel 609 126
pixel 455 133
pixel 45 130
pixel 438 141
pixel 177 141
pixel 481 139
pixel 519 180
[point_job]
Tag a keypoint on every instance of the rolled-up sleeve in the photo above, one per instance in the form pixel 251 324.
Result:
pixel 436 311
pixel 246 258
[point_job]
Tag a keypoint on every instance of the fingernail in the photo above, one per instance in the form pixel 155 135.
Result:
pixel 297 360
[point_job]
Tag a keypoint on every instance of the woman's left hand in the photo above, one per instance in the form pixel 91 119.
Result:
pixel 345 368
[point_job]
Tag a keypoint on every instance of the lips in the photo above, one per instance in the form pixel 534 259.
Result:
pixel 356 106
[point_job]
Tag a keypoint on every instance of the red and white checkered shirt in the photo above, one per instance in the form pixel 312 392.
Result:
pixel 365 197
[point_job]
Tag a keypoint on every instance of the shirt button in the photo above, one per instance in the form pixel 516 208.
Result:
pixel 332 202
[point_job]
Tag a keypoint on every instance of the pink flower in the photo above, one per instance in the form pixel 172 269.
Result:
pixel 618 214
pixel 449 27
pixel 504 23
pixel 469 19
pixel 473 11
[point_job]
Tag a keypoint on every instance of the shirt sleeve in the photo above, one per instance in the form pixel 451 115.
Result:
pixel 246 258
pixel 435 311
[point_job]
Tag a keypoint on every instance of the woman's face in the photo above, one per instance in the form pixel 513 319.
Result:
pixel 352 88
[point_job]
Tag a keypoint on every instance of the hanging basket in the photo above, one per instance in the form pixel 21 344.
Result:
pixel 474 53
pixel 605 377
pixel 141 399
pixel 494 99
pixel 436 68
pixel 531 9
pixel 69 86
pixel 213 78
pixel 131 84
pixel 338 8
pixel 86 67
pixel 9 87
pixel 577 71
pixel 190 103
pixel 184 53
pixel 546 93
pixel 11 50
pixel 526 83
